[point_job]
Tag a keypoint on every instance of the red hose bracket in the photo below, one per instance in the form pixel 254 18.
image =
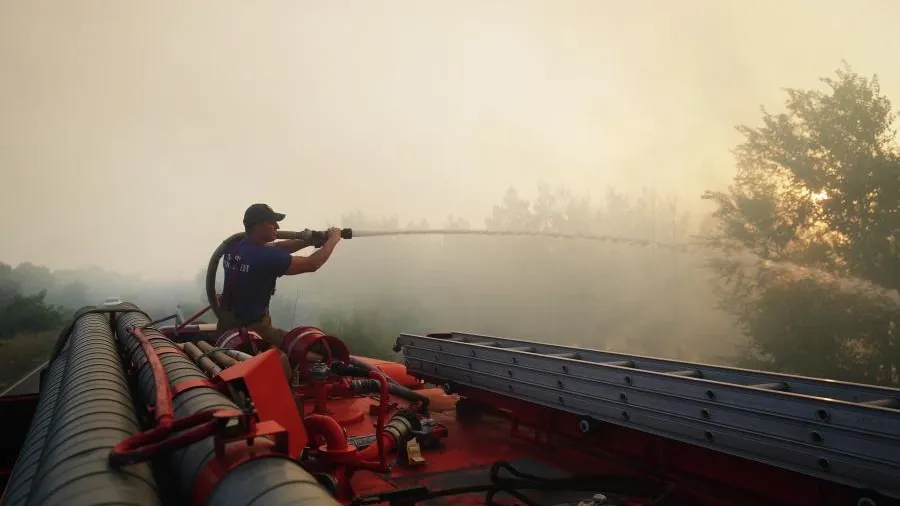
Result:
pixel 261 377
pixel 188 384
pixel 155 442
pixel 247 429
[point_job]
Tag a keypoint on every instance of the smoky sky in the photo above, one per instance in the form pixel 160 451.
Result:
pixel 133 134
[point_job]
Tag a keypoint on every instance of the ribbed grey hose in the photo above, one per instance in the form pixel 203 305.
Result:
pixel 19 486
pixel 93 412
pixel 210 367
pixel 267 481
pixel 223 360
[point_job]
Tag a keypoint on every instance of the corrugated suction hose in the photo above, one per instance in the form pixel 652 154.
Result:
pixel 85 409
pixel 261 482
pixel 19 486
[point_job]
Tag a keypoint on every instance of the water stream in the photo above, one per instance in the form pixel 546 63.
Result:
pixel 850 285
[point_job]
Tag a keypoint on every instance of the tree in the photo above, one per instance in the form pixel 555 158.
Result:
pixel 28 314
pixel 817 198
pixel 33 278
pixel 71 295
pixel 9 286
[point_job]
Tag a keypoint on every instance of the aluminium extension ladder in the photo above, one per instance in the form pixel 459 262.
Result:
pixel 844 432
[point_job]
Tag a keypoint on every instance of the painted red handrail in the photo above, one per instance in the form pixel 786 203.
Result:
pixel 152 443
pixel 190 320
pixel 164 412
pixel 383 407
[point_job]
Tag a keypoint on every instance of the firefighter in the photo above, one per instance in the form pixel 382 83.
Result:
pixel 253 265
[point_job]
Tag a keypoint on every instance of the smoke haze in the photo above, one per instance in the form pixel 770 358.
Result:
pixel 163 120
pixel 133 136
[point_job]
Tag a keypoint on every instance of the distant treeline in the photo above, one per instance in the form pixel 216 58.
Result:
pixel 34 298
pixel 25 307
pixel 22 314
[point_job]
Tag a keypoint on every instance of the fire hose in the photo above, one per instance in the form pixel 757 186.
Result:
pixel 20 483
pixel 85 408
pixel 201 474
pixel 315 237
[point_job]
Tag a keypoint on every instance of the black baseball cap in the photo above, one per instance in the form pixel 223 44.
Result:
pixel 260 213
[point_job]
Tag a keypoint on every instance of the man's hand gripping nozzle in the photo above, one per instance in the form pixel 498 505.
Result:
pixel 317 238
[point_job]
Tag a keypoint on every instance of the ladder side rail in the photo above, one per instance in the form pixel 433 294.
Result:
pixel 847 391
pixel 851 416
pixel 702 413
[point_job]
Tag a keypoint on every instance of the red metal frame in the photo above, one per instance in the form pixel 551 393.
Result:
pixel 263 378
pixel 16 411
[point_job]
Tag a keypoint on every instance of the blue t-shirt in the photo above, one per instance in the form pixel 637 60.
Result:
pixel 250 274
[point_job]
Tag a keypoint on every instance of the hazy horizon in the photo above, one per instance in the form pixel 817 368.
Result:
pixel 132 136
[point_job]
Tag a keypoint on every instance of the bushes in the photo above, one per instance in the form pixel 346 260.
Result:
pixel 21 314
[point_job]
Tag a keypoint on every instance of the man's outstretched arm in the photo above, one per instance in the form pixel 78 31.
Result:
pixel 312 263
pixel 290 245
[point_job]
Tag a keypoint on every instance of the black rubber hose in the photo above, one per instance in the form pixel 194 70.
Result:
pixel 394 387
pixel 213 267
pixel 371 386
pixel 272 481
pixel 19 486
pixel 94 412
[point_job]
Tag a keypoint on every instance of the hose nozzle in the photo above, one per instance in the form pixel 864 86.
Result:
pixel 318 237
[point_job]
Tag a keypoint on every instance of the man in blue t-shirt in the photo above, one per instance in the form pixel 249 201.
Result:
pixel 252 266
